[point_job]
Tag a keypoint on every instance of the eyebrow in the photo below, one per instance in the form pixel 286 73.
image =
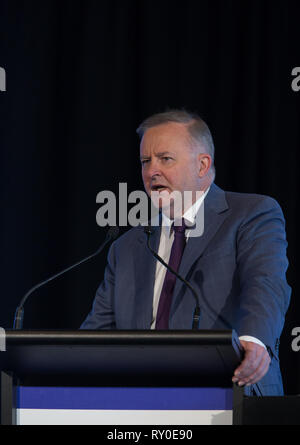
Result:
pixel 159 155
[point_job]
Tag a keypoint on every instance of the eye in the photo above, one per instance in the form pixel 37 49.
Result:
pixel 144 161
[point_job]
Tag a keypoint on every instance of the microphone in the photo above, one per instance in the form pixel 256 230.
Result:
pixel 197 312
pixel 111 234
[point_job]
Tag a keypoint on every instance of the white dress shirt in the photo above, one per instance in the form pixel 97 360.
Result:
pixel 164 251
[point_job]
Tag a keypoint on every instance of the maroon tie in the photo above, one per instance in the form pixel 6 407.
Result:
pixel 162 318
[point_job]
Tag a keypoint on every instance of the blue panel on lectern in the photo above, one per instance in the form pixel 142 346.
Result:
pixel 113 398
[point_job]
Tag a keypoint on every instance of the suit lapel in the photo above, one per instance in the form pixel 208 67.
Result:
pixel 215 211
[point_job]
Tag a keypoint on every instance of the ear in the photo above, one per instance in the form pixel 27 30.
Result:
pixel 204 162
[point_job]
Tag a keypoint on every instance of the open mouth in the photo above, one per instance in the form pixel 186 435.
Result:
pixel 158 188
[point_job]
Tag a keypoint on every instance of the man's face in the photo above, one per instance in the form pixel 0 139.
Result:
pixel 170 163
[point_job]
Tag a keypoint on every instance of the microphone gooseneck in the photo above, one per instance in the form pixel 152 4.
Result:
pixel 111 234
pixel 197 312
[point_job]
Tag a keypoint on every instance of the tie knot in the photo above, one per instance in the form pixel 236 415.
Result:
pixel 179 226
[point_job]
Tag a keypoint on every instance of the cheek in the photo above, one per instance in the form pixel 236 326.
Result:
pixel 186 180
pixel 178 178
pixel 191 172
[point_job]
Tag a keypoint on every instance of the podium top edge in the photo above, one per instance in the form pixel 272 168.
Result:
pixel 120 337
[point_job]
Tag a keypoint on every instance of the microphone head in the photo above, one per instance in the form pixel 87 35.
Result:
pixel 112 233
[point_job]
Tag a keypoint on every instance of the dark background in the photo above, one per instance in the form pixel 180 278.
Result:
pixel 81 75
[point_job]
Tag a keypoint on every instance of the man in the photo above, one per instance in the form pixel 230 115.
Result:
pixel 237 265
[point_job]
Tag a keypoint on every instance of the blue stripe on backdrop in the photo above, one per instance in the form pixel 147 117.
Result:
pixel 125 398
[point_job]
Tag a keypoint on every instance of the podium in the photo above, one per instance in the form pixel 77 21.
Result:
pixel 120 377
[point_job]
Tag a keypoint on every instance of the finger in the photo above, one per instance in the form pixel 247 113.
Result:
pixel 254 357
pixel 248 365
pixel 258 373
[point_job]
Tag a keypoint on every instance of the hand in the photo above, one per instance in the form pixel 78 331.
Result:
pixel 254 366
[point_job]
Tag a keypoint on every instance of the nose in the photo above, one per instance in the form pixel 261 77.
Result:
pixel 152 170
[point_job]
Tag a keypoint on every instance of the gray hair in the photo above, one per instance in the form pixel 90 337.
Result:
pixel 197 128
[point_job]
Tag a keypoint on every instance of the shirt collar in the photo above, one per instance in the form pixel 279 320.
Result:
pixel 189 215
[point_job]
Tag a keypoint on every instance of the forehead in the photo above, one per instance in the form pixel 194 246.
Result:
pixel 170 136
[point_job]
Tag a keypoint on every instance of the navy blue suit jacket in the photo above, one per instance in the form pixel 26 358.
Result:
pixel 238 268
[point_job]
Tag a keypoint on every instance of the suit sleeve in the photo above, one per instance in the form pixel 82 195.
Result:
pixel 262 265
pixel 102 315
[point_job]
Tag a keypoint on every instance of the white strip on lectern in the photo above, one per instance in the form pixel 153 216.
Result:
pixel 123 406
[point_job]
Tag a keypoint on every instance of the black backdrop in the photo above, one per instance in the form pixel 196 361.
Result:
pixel 81 75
